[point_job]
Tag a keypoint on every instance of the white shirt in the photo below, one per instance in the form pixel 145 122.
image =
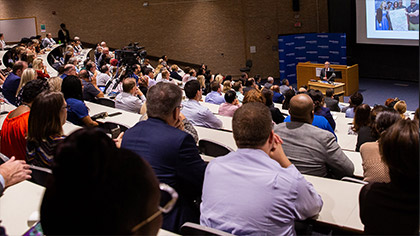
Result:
pixel 102 79
pixel 48 42
pixel 128 102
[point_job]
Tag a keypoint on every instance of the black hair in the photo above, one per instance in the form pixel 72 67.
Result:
pixel 230 96
pixel 191 88
pixel 72 87
pixel 32 89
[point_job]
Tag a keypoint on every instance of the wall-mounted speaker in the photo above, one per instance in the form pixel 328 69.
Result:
pixel 296 5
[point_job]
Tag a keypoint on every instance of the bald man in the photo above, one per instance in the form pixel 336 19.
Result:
pixel 312 150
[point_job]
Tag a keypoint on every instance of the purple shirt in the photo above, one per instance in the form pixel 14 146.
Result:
pixel 248 193
pixel 227 109
pixel 215 98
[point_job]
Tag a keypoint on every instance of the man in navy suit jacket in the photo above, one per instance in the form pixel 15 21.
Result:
pixel 171 152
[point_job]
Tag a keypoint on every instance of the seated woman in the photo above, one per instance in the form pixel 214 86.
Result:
pixel 362 125
pixel 287 96
pixel 319 109
pixel 15 126
pixel 27 75
pixel 355 100
pixel 401 107
pixel 45 128
pixel 393 208
pixel 276 115
pixel 77 111
pixel 93 179
pixel 40 68
pixel 374 169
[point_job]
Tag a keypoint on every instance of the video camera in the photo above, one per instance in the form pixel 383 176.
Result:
pixel 130 54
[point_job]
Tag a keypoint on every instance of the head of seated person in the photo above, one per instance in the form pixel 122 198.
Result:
pixel 163 102
pixel 356 99
pixel 384 120
pixel 287 97
pixel 275 88
pixel 129 84
pixel 317 98
pixel 301 109
pixel 97 188
pixel 361 117
pixel 31 90
pixel 72 88
pixel 215 86
pixel 268 95
pixel 401 107
pixel 192 88
pixel 399 149
pixel 253 96
pixel 230 97
pixel 84 75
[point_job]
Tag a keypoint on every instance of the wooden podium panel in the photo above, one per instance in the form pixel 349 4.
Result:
pixel 337 87
pixel 306 71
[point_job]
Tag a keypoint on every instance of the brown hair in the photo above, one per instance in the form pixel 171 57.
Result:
pixel 253 95
pixel 44 119
pixel 128 84
pixel 361 117
pixel 401 107
pixel 251 125
pixel 399 148
pixel 226 86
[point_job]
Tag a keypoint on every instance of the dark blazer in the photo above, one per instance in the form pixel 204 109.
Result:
pixel 323 73
pixel 325 112
pixel 174 157
pixel 332 104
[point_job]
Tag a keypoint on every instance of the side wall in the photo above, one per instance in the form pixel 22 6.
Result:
pixel 216 32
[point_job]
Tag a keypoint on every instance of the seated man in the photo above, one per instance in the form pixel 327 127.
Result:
pixel 285 86
pixel 11 84
pixel 131 99
pixel 231 104
pixel 104 76
pixel 99 200
pixel 48 41
pixel 90 90
pixel 256 190
pixel 215 96
pixel 69 69
pixel 314 151
pixel 171 152
pixel 196 113
pixel 330 102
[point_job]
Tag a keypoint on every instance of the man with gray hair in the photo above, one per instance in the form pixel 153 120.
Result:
pixel 48 41
pixel 171 152
pixel 270 82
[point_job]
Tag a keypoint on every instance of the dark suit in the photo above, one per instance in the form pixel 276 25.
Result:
pixel 332 104
pixel 324 72
pixel 174 157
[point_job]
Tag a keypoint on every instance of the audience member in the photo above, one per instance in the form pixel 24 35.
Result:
pixel 148 73
pixel 275 112
pixel 313 150
pixel 90 90
pixel 2 42
pixel 401 107
pixel 172 153
pixel 55 84
pixel 231 104
pixel 202 80
pixel 226 86
pixel 287 97
pixel 374 169
pixel 12 172
pixel 269 83
pixel 362 125
pixel 215 96
pixel 48 41
pixel 319 109
pixel 45 128
pixel 12 81
pixel 416 115
pixel 131 99
pixel 27 75
pixel 69 69
pixel 330 102
pixel 15 126
pixel 302 89
pixel 277 96
pixel 254 96
pixel 174 73
pixel 393 208
pixel 40 68
pixel 249 85
pixel 237 86
pixel 284 86
pixel 258 166
pixel 196 113
pixel 355 100
pixel 114 186
pixel 104 76
pixel 77 112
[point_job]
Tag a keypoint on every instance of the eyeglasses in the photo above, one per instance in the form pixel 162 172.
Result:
pixel 165 209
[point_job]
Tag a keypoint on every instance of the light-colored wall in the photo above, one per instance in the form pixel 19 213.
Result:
pixel 216 32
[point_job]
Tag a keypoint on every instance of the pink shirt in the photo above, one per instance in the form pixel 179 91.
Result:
pixel 227 109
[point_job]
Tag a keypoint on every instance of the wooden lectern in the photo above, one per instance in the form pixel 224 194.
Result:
pixel 306 71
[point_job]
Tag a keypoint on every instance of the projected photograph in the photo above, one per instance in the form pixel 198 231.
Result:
pixel 397 15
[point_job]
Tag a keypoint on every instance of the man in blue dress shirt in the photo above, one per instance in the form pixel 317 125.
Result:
pixel 12 81
pixel 256 190
pixel 215 96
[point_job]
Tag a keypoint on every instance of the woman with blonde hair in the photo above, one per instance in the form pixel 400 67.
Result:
pixel 27 75
pixel 55 84
pixel 40 68
pixel 401 107
pixel 202 81
pixel 226 86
